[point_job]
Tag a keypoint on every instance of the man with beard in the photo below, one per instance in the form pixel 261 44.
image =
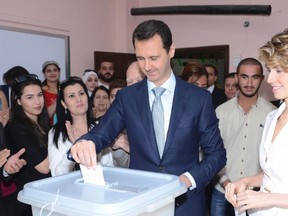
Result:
pixel 106 73
pixel 241 122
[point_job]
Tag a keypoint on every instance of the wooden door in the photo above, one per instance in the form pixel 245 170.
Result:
pixel 121 61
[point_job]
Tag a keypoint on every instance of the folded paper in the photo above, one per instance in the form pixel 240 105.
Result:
pixel 93 176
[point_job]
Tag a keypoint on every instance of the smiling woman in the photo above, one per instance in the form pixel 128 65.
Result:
pixel 272 199
pixel 30 120
pixel 51 71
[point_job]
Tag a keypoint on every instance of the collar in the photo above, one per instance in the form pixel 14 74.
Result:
pixel 211 88
pixel 100 83
pixel 257 101
pixel 169 85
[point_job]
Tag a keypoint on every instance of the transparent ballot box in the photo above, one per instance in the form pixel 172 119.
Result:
pixel 126 192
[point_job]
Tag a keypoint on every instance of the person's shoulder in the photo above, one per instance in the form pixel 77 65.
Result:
pixel 21 130
pixel 266 104
pixel 218 91
pixel 271 115
pixel 226 105
pixel 51 132
pixel 16 126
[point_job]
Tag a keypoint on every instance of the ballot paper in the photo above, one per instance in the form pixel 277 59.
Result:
pixel 93 176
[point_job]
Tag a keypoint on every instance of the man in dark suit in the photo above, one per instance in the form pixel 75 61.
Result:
pixel 218 95
pixel 190 122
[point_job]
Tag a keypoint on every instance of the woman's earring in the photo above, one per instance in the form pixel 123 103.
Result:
pixel 65 111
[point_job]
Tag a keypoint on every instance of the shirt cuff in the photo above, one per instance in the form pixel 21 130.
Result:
pixel 192 180
pixel 223 179
pixel 5 174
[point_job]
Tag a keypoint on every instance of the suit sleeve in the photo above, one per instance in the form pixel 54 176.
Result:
pixel 111 124
pixel 211 144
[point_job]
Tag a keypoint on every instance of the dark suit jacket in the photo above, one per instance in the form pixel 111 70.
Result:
pixel 193 123
pixel 218 97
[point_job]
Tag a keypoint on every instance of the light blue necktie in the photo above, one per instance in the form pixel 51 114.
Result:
pixel 158 118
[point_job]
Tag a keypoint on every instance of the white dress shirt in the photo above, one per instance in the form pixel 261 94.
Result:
pixel 211 88
pixel 273 161
pixel 167 102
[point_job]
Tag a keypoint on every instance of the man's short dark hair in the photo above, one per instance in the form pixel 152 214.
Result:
pixel 148 29
pixel 230 75
pixel 212 66
pixel 106 60
pixel 250 61
pixel 118 83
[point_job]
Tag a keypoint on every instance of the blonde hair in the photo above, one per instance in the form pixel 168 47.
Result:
pixel 275 52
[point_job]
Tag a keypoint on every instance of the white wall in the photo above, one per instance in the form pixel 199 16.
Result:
pixel 90 24
pixel 106 25
pixel 205 30
pixel 30 50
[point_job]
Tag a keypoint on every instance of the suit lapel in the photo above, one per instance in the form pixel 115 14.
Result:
pixel 178 108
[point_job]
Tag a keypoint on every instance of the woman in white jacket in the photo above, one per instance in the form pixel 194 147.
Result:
pixel 272 199
pixel 75 118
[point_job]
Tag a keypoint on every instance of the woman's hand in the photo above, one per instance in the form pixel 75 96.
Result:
pixel 4 116
pixel 249 199
pixel 232 189
pixel 4 154
pixel 14 163
pixel 72 132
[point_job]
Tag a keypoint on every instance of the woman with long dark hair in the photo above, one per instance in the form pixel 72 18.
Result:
pixel 75 118
pixel 28 128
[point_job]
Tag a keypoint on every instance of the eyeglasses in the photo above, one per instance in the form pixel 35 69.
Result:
pixel 23 78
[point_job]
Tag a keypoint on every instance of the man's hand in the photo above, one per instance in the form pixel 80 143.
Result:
pixel 184 179
pixel 14 163
pixel 84 152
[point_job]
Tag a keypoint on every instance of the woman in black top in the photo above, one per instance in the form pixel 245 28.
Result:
pixel 8 166
pixel 28 128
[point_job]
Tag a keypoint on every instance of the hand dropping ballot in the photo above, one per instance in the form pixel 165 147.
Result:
pixel 93 176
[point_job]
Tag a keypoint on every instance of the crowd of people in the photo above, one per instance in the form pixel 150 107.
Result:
pixel 218 141
pixel 42 120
